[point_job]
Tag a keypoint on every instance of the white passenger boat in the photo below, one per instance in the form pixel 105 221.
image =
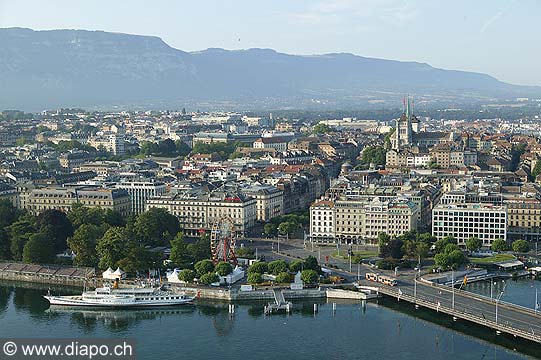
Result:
pixel 121 298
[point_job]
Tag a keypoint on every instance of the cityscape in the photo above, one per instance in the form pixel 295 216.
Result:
pixel 156 202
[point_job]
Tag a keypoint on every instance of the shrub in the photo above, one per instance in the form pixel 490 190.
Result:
pixel 209 278
pixel 283 278
pixel 259 267
pixel 255 278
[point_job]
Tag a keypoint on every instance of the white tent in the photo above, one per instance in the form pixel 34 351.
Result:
pixel 119 274
pixel 172 277
pixel 108 274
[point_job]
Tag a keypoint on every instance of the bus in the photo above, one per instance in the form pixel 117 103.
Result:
pixel 387 280
pixel 372 277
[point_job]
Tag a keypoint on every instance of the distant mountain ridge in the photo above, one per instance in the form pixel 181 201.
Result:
pixel 61 68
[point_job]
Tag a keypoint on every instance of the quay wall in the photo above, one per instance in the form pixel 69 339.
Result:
pixel 236 295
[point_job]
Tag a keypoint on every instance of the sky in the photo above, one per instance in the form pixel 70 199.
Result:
pixel 497 37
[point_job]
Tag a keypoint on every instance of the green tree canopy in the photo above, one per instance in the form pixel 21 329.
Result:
pixel 322 129
pixel 296 266
pixel 373 155
pixel 521 246
pixel 8 213
pixel 258 267
pixel 309 276
pixel 270 229
pixel 57 226
pixel 200 249
pixel 310 263
pixel 19 232
pixel 203 267
pixel 186 275
pixel 180 255
pixel 83 243
pixel 209 278
pixel 111 247
pixel 287 228
pixel 283 278
pixel 5 244
pixel 255 278
pixel 277 266
pixel 224 268
pixel 474 243
pixel 38 249
pixel 156 226
pixel 499 245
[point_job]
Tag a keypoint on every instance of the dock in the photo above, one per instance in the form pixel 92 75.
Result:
pixel 280 303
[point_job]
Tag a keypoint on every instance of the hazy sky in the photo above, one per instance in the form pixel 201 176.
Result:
pixel 498 37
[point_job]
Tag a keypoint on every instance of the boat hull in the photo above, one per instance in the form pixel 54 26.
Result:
pixel 77 301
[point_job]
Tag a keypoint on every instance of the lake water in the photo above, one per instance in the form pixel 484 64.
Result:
pixel 382 330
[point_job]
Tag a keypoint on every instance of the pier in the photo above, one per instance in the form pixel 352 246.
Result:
pixel 500 316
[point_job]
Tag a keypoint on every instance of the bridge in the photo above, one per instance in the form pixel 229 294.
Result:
pixel 503 317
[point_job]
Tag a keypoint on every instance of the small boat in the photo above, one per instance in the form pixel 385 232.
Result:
pixel 121 298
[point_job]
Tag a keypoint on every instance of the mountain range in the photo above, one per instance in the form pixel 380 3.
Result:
pixel 96 69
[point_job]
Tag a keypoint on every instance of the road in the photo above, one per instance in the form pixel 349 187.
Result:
pixel 464 302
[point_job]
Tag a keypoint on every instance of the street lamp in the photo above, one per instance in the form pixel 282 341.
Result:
pixel 497 301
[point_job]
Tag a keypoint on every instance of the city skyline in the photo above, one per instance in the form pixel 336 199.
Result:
pixel 482 36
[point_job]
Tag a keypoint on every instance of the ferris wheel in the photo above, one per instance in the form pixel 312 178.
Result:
pixel 222 241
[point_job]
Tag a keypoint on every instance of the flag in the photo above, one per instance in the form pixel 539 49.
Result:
pixel 465 281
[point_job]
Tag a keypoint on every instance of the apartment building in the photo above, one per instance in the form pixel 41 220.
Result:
pixel 62 198
pixel 350 220
pixel 198 209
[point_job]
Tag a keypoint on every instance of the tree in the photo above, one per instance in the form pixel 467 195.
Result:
pixel 450 257
pixel 8 213
pixel 203 267
pixel 441 243
pixel 255 278
pixel 474 243
pixel 310 263
pixel 283 277
pixel 136 258
pixel 321 129
pixel 19 232
pixel 457 258
pixel 38 249
pixel 57 226
pixel 186 275
pixel 287 228
pixel 156 226
pixel 536 169
pixel 111 247
pixel 296 266
pixel 521 246
pixel 270 229
pixel 244 252
pixel 499 245
pixel 421 250
pixel 277 266
pixel 258 267
pixel 5 253
pixel 309 276
pixel 180 256
pixel 442 260
pixel 373 155
pixel 392 249
pixel 83 244
pixel 200 249
pixel 209 278
pixel 224 268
